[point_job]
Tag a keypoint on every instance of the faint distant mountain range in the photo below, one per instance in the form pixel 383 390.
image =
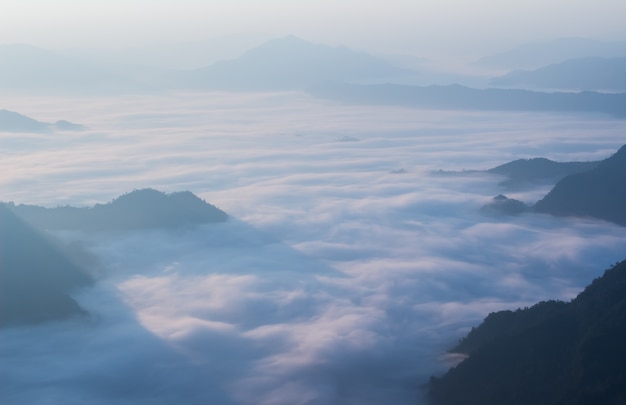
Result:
pixel 599 192
pixel 465 98
pixel 172 56
pixel 575 74
pixel 139 209
pixel 554 353
pixel 539 54
pixel 288 63
pixel 28 69
pixel 11 121
pixel 35 277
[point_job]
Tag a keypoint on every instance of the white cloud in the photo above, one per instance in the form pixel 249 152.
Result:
pixel 339 282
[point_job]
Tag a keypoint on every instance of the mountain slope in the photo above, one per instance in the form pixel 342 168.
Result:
pixel 574 74
pixel 35 278
pixel 286 64
pixel 525 171
pixel 11 121
pixel 139 209
pixel 553 353
pixel 598 193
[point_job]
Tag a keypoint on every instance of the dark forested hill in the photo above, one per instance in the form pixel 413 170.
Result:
pixel 598 193
pixel 521 171
pixel 139 209
pixel 35 277
pixel 553 353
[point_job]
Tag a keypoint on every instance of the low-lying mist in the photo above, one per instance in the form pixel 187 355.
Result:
pixel 345 272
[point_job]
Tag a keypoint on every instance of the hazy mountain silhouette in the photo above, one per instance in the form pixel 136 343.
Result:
pixel 502 205
pixel 35 277
pixel 522 172
pixel 286 64
pixel 598 193
pixel 139 209
pixel 536 55
pixel 11 121
pixel 32 70
pixel 465 98
pixel 574 74
pixel 553 353
pixel 173 55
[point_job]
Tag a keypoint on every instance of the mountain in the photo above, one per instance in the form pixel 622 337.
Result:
pixel 536 55
pixel 139 209
pixel 522 172
pixel 598 193
pixel 287 64
pixel 31 70
pixel 179 55
pixel 554 353
pixel 36 279
pixel 455 97
pixel 575 74
pixel 502 205
pixel 11 121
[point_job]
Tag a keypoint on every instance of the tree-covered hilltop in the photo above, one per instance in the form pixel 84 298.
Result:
pixel 139 209
pixel 553 353
pixel 36 279
pixel 598 193
pixel 527 171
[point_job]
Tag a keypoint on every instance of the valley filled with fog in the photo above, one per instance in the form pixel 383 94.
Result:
pixel 347 268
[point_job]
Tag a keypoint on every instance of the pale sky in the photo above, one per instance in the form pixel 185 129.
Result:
pixel 392 25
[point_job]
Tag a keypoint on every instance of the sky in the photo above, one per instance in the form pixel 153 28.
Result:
pixel 345 273
pixel 392 26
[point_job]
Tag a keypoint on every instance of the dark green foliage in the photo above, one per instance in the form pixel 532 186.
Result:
pixel 552 353
pixel 599 193
pixel 35 277
pixel 140 209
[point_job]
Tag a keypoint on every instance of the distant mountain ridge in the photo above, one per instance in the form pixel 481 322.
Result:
pixel 139 209
pixel 539 54
pixel 26 69
pixel 288 63
pixel 599 192
pixel 608 74
pixel 11 121
pixel 465 98
pixel 553 353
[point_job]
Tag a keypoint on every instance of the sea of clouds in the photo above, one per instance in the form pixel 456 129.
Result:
pixel 346 271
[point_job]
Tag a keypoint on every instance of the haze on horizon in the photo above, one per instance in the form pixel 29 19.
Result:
pixel 449 27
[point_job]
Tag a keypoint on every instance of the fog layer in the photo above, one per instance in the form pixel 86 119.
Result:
pixel 345 273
